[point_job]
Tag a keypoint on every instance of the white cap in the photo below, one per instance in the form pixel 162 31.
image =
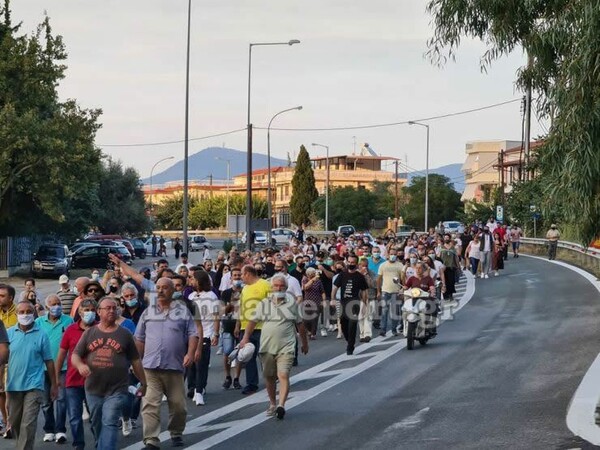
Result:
pixel 63 279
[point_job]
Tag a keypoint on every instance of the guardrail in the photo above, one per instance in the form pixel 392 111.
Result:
pixel 570 252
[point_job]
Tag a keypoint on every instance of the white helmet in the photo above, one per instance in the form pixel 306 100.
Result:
pixel 241 355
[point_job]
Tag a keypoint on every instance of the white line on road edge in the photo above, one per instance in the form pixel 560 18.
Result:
pixel 580 416
pixel 236 427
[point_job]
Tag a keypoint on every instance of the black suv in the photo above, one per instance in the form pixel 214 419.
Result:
pixel 96 256
pixel 51 259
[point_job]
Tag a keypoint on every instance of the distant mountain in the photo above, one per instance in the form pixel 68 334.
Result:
pixel 451 171
pixel 204 163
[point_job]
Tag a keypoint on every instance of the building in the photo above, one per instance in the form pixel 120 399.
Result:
pixel 481 175
pixel 359 171
pixel 512 162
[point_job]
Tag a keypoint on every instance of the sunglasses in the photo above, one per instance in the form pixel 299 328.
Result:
pixel 90 291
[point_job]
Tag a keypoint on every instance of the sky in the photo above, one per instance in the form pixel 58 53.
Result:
pixel 358 63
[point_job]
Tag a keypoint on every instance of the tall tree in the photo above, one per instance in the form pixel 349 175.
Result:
pixel 48 161
pixel 349 205
pixel 562 41
pixel 122 206
pixel 304 192
pixel 444 201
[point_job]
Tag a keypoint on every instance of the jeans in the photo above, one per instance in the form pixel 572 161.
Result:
pixel 54 424
pixel 474 265
pixel 202 367
pixel 75 397
pixel 105 413
pixel 389 312
pixel 251 366
pixel 486 261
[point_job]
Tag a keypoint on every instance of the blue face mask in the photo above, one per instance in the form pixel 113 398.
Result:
pixel 238 284
pixel 89 317
pixel 55 311
pixel 393 258
pixel 131 303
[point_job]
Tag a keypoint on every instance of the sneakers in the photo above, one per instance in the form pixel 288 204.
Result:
pixel 61 438
pixel 177 441
pixel 497 273
pixel 486 276
pixel 280 412
pixel 481 276
pixel 86 414
pixel 227 383
pixel 49 437
pixel 339 336
pixel 220 351
pixel 271 411
pixel 249 390
pixel 236 383
pixel 127 427
pixel 323 332
pixel 199 398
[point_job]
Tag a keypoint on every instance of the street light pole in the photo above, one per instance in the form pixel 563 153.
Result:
pixel 249 143
pixel 269 196
pixel 326 185
pixel 151 187
pixel 426 175
pixel 228 161
pixel 187 121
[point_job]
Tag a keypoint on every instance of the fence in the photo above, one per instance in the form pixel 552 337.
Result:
pixel 586 258
pixel 16 253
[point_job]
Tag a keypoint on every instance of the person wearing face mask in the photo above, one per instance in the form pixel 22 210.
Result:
pixel 133 308
pixel 298 271
pixel 54 324
pixel 30 352
pixel 387 292
pixel 353 288
pixel 230 314
pixel 449 257
pixel 486 247
pixel 74 382
pixel 410 268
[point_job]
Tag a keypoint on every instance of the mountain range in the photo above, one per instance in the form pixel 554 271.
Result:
pixel 211 161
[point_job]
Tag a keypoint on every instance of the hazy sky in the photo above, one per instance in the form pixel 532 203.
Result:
pixel 359 63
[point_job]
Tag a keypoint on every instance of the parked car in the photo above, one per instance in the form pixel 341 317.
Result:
pixel 198 242
pixel 138 247
pixel 51 259
pixel 281 236
pixel 260 238
pixel 113 238
pixel 451 226
pixel 345 230
pixel 405 231
pixel 73 248
pixel 96 256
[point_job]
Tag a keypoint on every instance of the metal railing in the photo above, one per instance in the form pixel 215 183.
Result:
pixel 590 251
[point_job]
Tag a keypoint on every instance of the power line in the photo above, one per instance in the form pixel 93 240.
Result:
pixel 360 127
pixel 147 144
pixel 391 124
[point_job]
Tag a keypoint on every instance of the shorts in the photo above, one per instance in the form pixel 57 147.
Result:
pixel 274 364
pixel 228 342
pixel 516 245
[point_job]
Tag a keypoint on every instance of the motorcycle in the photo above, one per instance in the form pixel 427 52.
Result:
pixel 419 314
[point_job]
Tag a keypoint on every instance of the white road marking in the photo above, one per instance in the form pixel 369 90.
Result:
pixel 409 422
pixel 236 427
pixel 580 416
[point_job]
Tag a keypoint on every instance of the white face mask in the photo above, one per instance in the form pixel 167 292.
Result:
pixel 25 319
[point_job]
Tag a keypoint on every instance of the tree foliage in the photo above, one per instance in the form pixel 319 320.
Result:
pixel 444 201
pixel 348 206
pixel 48 160
pixel 304 192
pixel 562 40
pixel 122 206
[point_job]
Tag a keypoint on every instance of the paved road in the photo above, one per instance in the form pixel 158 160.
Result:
pixel 501 374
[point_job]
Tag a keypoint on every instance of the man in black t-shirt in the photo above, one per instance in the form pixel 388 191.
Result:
pixel 231 300
pixel 353 289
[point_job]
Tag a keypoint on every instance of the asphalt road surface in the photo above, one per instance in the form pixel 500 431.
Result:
pixel 500 374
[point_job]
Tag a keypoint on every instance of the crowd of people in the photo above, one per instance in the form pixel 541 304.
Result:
pixel 112 348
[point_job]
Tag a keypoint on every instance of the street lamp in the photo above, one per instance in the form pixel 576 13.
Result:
pixel 151 174
pixel 249 128
pixel 187 123
pixel 326 185
pixel 269 196
pixel 426 175
pixel 228 161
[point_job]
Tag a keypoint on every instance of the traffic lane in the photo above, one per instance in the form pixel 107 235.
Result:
pixel 501 374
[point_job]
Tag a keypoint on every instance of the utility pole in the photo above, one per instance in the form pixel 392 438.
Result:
pixel 396 193
pixel 501 165
pixel 528 121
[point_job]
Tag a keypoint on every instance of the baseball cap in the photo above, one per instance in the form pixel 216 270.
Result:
pixel 63 279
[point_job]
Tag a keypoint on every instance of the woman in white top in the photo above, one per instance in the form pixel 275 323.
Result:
pixel 473 254
pixel 207 313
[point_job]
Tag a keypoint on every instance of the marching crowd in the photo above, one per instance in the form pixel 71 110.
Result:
pixel 111 349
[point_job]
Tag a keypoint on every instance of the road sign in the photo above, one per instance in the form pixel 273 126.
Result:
pixel 500 213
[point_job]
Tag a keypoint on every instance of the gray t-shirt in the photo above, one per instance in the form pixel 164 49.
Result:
pixel 108 356
pixel 279 321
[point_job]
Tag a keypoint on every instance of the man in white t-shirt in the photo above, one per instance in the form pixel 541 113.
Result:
pixel 184 262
